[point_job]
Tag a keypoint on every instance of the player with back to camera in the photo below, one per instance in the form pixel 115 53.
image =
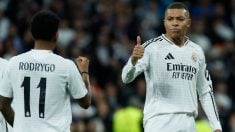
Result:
pixel 41 83
pixel 175 71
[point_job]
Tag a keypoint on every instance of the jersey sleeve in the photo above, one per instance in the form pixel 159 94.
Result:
pixel 203 79
pixel 76 85
pixel 130 72
pixel 206 97
pixel 5 84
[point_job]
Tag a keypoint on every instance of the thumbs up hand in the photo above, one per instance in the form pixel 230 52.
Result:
pixel 138 51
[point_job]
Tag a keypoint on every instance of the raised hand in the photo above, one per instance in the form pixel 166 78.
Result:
pixel 82 63
pixel 138 51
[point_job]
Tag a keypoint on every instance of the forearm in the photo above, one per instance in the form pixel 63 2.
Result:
pixel 209 106
pixel 6 109
pixel 128 75
pixel 86 80
pixel 129 72
pixel 85 101
pixel 8 114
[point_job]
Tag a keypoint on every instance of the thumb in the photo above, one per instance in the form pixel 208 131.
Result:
pixel 138 40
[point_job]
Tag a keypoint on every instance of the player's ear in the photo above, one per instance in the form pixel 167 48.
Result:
pixel 189 22
pixel 55 37
pixel 164 22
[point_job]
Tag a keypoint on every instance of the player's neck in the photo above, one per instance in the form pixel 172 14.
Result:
pixel 179 41
pixel 44 45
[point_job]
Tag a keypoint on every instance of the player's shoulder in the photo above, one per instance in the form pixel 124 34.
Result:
pixel 15 58
pixel 3 61
pixel 195 47
pixel 62 60
pixel 18 57
pixel 58 57
pixel 152 42
pixel 69 61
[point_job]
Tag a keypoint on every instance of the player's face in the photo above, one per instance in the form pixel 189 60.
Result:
pixel 176 22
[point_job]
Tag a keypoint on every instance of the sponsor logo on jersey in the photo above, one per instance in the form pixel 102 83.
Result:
pixel 182 71
pixel 169 56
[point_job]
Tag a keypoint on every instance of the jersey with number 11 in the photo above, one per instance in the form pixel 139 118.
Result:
pixel 41 84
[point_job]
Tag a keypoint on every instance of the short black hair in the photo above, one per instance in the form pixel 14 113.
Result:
pixel 44 25
pixel 178 5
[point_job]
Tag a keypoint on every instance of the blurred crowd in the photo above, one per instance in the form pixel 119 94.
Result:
pixel 105 31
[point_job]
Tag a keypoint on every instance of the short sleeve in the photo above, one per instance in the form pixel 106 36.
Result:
pixel 76 85
pixel 5 84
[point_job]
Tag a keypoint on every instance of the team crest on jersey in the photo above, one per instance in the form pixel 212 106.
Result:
pixel 194 57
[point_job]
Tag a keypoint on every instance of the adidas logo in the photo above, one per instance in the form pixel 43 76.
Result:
pixel 169 57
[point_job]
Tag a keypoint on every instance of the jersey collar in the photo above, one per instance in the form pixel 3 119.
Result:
pixel 40 50
pixel 170 42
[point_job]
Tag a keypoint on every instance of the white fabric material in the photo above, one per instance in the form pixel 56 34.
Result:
pixel 174 75
pixel 208 104
pixel 4 126
pixel 42 72
pixel 170 123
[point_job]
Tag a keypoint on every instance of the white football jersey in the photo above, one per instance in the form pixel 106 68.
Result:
pixel 4 127
pixel 173 76
pixel 41 83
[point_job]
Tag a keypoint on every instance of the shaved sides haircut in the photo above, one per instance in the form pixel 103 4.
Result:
pixel 179 5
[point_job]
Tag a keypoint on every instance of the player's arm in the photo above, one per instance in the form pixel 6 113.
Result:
pixel 136 64
pixel 83 66
pixel 6 109
pixel 206 97
pixel 6 95
pixel 86 101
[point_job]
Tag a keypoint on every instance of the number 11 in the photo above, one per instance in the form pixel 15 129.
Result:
pixel 42 86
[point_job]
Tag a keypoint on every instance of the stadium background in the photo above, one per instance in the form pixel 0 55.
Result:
pixel 105 31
